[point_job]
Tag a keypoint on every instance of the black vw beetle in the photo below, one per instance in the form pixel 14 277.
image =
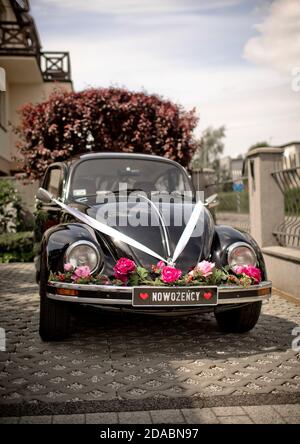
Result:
pixel 75 192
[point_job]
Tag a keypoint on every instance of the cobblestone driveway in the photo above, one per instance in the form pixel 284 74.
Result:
pixel 114 362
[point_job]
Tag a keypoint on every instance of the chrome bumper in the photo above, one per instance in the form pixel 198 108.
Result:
pixel 122 296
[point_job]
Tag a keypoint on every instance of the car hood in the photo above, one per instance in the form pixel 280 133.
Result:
pixel 145 226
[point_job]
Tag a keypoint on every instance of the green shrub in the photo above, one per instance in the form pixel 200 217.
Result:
pixel 16 247
pixel 292 202
pixel 228 202
pixel 10 206
pixel 13 217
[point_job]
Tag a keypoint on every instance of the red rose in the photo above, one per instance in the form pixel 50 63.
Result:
pixel 123 268
pixel 170 274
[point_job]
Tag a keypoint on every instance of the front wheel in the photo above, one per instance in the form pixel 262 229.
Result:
pixel 239 319
pixel 54 315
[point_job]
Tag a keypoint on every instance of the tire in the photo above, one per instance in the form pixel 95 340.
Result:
pixel 239 319
pixel 54 315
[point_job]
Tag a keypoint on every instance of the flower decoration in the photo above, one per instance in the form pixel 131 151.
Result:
pixel 126 272
pixel 68 267
pixel 250 271
pixel 81 272
pixel 170 274
pixel 205 267
pixel 123 268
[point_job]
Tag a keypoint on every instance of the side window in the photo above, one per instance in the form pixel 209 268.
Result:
pixel 53 181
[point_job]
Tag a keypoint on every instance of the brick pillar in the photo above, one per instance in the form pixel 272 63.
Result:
pixel 266 201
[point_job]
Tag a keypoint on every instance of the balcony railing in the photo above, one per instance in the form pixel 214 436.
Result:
pixel 16 39
pixel 55 66
pixel 22 40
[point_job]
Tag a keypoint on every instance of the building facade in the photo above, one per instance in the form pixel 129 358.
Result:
pixel 28 74
pixel 232 168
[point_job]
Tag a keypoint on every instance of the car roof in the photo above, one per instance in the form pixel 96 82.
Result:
pixel 117 155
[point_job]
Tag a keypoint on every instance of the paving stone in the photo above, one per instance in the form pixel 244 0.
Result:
pixel 45 419
pixel 101 418
pixel 199 416
pixel 237 419
pixel 69 419
pixel 264 415
pixel 292 420
pixel 287 410
pixel 118 357
pixel 228 411
pixel 9 420
pixel 167 416
pixel 134 418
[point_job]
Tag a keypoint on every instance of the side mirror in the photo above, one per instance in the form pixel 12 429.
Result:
pixel 212 201
pixel 44 196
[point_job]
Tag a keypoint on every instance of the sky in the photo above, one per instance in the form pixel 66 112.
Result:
pixel 233 60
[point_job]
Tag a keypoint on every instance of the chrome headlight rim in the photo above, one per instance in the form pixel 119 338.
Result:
pixel 235 245
pixel 85 243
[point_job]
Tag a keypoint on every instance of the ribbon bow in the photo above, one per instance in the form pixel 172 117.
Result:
pixel 112 232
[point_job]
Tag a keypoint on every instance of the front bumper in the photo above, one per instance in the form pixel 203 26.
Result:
pixel 118 296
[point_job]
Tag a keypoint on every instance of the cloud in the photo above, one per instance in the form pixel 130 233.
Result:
pixel 139 6
pixel 194 59
pixel 278 44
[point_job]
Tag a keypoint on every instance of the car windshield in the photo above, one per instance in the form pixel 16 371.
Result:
pixel 96 176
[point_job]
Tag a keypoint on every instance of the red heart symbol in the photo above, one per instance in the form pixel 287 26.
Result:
pixel 207 295
pixel 144 296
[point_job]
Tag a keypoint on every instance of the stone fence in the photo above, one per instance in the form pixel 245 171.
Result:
pixel 267 213
pixel 274 212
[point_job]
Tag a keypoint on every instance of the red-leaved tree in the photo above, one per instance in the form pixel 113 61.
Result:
pixel 105 119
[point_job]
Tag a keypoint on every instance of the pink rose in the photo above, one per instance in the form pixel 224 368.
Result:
pixel 68 267
pixel 249 270
pixel 170 274
pixel 205 267
pixel 239 269
pixel 160 265
pixel 81 273
pixel 123 268
pixel 253 272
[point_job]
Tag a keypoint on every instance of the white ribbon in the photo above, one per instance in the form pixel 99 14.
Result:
pixel 187 232
pixel 112 232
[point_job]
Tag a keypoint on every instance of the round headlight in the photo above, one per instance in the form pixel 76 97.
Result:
pixel 83 253
pixel 241 253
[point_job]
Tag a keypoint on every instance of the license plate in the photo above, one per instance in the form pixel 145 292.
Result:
pixel 174 296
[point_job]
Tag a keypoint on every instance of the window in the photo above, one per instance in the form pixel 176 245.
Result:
pixel 53 181
pixel 105 174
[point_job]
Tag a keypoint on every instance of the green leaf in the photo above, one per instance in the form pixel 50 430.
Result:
pixel 134 279
pixel 142 272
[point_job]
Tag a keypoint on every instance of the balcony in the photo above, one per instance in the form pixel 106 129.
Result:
pixel 55 66
pixel 22 40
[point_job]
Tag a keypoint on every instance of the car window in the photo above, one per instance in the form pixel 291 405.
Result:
pixel 53 182
pixel 93 176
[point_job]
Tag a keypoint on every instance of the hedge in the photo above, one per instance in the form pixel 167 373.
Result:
pixel 16 247
pixel 228 202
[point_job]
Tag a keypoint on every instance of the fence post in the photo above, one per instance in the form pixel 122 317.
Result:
pixel 266 201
